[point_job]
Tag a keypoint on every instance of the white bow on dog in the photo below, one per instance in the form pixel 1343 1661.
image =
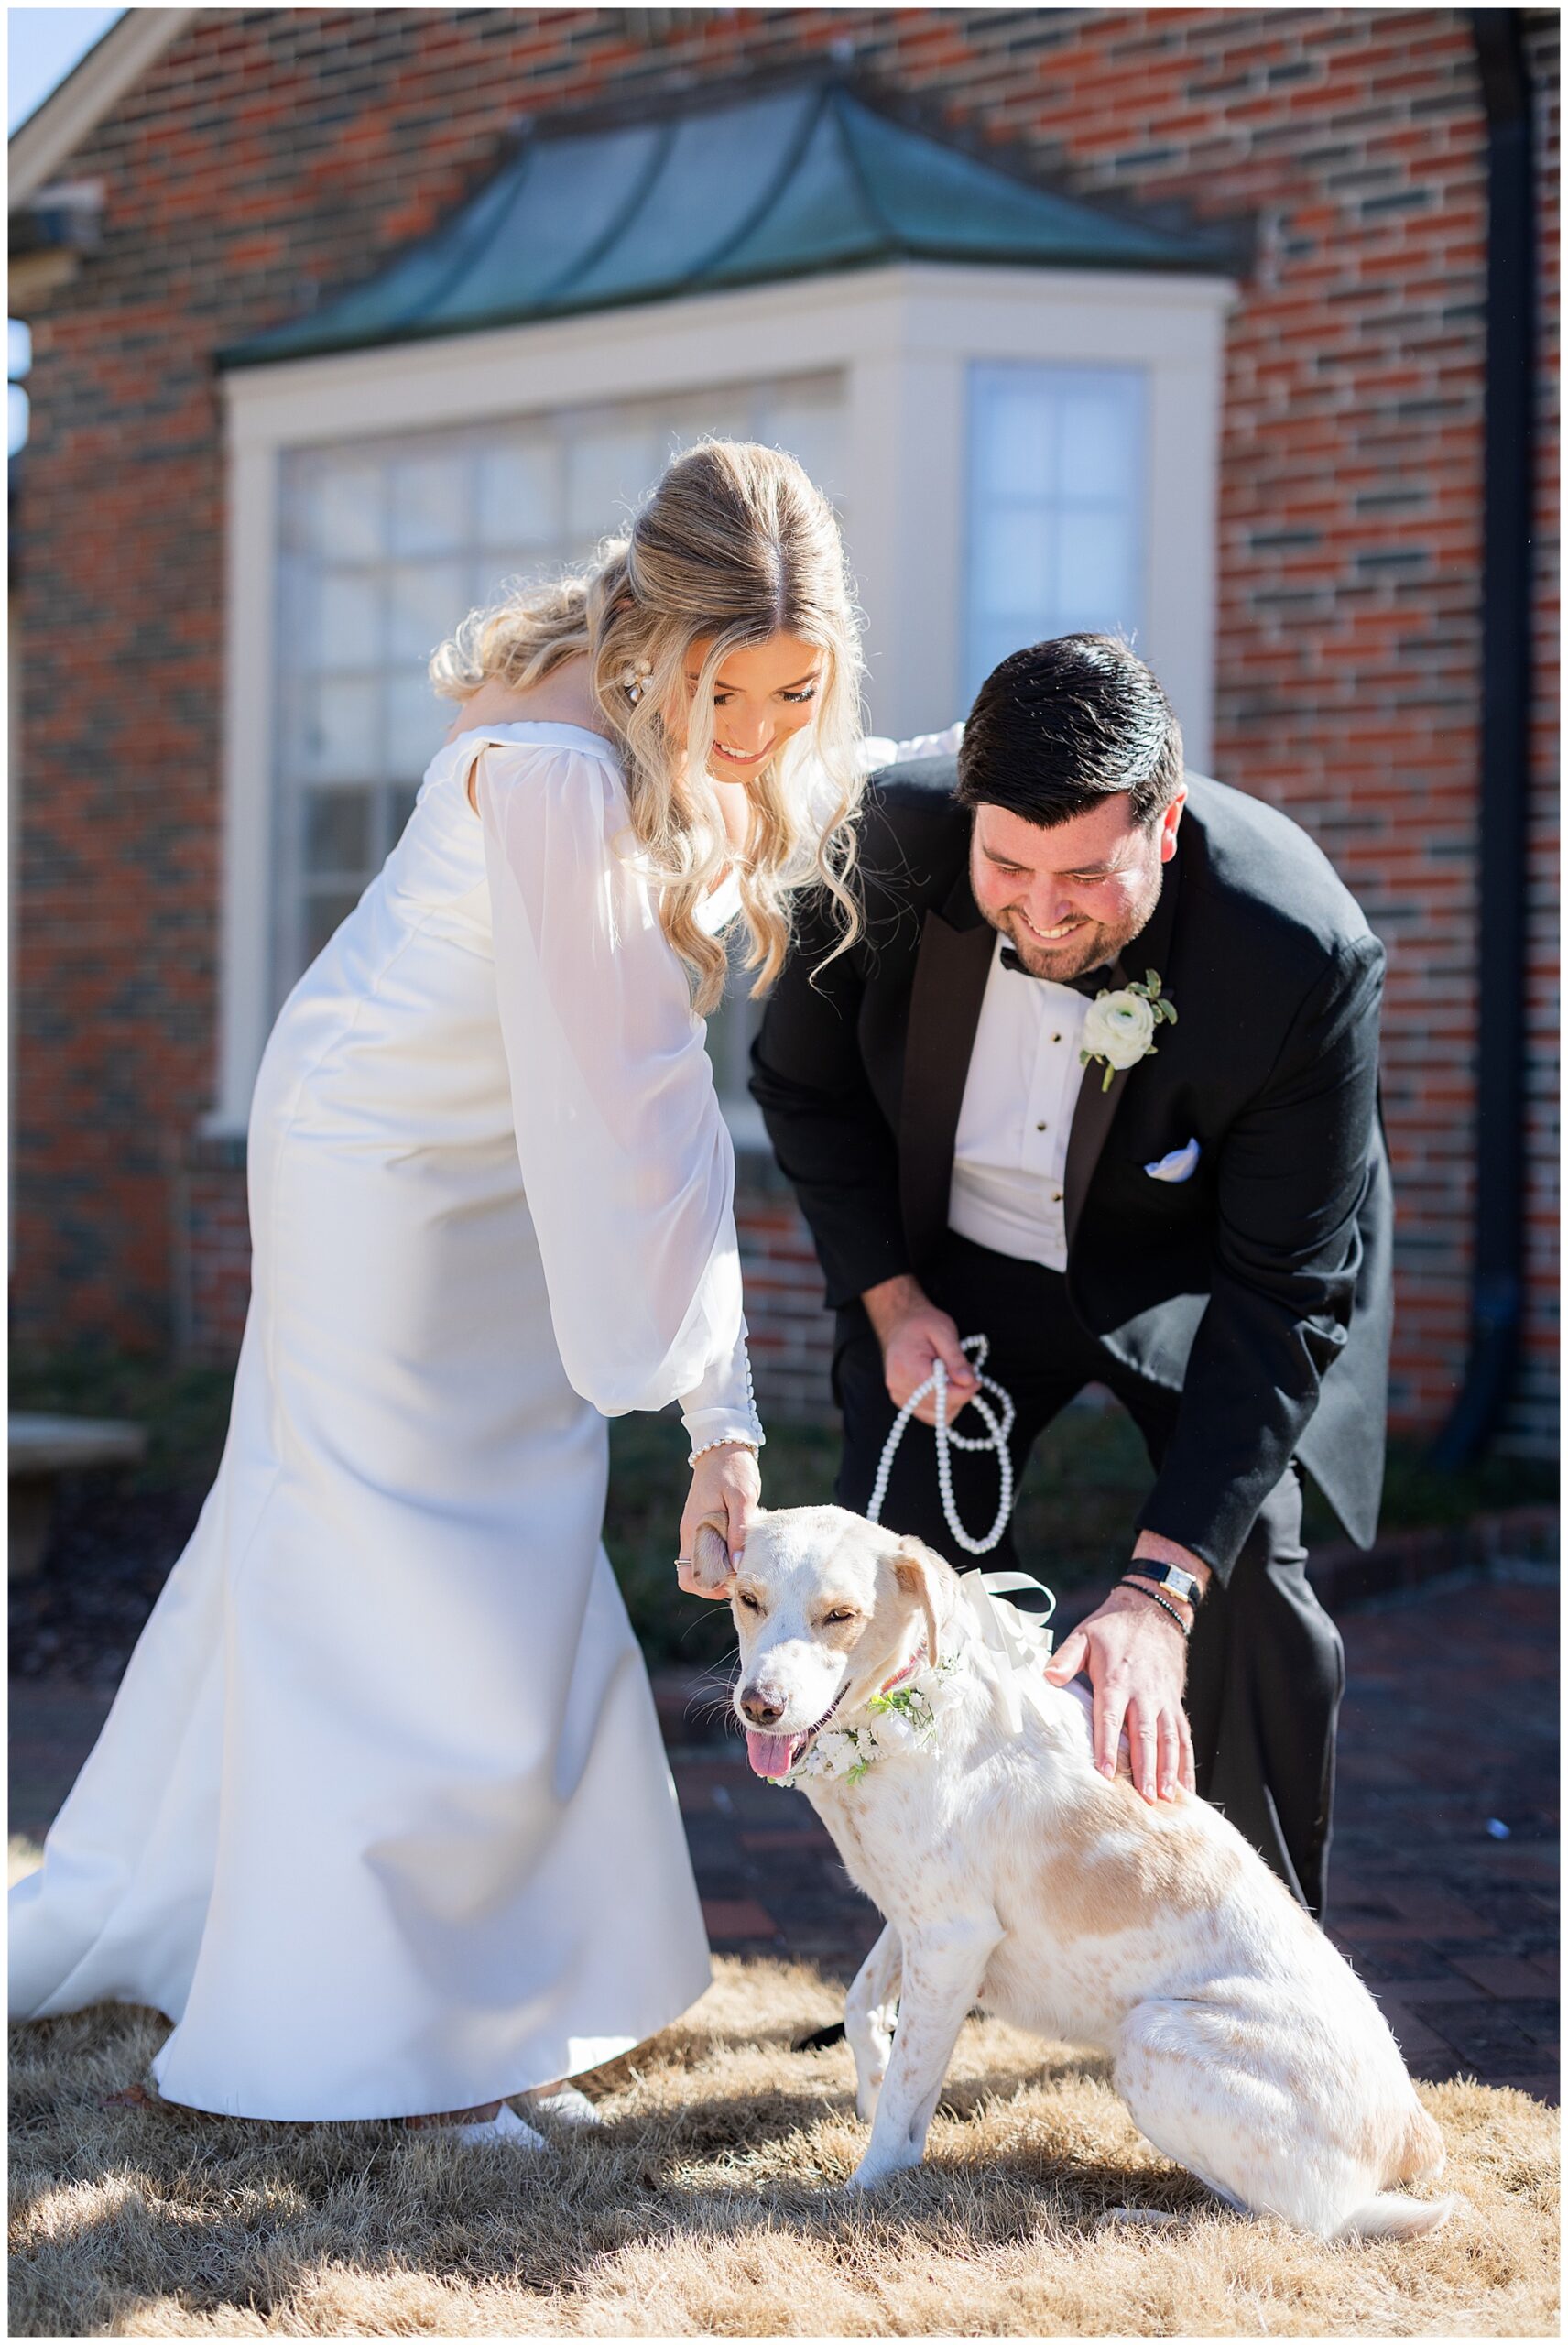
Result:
pixel 1020 1641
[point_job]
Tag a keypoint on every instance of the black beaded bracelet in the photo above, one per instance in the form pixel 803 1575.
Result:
pixel 1169 1609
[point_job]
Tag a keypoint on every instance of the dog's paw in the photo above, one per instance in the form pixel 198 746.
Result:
pixel 867 2177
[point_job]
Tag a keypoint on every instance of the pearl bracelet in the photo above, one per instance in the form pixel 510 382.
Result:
pixel 724 1441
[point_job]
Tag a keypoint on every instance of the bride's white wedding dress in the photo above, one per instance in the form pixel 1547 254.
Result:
pixel 381 1817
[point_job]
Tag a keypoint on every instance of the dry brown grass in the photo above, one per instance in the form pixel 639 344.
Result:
pixel 708 2205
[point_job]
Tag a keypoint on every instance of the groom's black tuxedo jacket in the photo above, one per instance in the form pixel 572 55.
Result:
pixel 1259 1288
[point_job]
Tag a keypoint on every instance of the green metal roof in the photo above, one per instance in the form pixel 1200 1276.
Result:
pixel 742 190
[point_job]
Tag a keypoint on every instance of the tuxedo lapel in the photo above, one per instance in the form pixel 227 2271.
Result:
pixel 1092 1121
pixel 951 971
pixel 1098 1104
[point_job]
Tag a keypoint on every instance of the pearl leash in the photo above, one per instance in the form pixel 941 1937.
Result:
pixel 998 1428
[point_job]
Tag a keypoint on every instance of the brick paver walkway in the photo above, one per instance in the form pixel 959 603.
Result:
pixel 1449 1728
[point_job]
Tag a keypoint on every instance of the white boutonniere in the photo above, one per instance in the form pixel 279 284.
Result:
pixel 1121 1026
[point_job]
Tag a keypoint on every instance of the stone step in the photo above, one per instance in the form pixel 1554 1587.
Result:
pixel 41 1448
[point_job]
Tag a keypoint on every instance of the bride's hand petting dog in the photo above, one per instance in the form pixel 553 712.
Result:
pixel 1013 1874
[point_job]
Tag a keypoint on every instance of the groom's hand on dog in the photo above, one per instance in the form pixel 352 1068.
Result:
pixel 1137 1662
pixel 914 1335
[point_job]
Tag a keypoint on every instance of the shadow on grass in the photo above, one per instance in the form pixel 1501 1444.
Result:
pixel 712 2202
pixel 205 2217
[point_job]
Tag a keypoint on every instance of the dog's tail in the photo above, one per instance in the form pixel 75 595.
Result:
pixel 1390 2216
pixel 1421 2156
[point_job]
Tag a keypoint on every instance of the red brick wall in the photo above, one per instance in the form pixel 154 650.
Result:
pixel 1535 1414
pixel 271 155
pixel 788 1332
pixel 211 1250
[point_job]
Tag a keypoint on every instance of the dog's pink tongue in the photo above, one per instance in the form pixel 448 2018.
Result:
pixel 768 1753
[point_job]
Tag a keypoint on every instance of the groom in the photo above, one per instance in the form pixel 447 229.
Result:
pixel 994 1125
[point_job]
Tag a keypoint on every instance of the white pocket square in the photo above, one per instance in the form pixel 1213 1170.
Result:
pixel 1179 1166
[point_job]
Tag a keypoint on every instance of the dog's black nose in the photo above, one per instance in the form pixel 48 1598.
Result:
pixel 758 1709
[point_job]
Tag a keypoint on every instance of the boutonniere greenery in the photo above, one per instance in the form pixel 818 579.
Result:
pixel 1121 1026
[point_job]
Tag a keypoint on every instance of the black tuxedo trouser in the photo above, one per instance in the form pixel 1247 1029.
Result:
pixel 1266 1668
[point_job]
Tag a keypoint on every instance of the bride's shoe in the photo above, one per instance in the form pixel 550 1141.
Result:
pixel 563 2105
pixel 505 2126
pixel 475 2132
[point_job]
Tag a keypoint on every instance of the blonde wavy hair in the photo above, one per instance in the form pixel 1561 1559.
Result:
pixel 737 544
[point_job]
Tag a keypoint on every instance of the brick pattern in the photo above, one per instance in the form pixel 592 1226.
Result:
pixel 211 1251
pixel 270 157
pixel 1533 1426
pixel 787 1326
pixel 1455 1930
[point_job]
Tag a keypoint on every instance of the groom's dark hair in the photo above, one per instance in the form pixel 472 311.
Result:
pixel 1062 726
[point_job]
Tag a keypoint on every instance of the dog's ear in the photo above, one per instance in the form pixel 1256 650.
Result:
pixel 912 1565
pixel 711 1566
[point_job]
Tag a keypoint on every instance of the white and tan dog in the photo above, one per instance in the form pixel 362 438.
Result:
pixel 1012 1874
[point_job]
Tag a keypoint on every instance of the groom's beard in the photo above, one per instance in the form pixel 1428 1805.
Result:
pixel 1089 946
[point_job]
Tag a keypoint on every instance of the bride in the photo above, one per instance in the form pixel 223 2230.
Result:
pixel 381 1819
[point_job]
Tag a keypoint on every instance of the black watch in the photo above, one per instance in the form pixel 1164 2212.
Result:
pixel 1169 1577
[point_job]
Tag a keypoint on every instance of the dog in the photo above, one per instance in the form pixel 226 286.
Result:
pixel 1012 1874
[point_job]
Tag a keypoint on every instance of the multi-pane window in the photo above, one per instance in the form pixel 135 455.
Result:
pixel 1057 473
pixel 386 544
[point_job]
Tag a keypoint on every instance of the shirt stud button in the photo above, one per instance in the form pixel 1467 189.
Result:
pixel 1039 1127
pixel 1056 1038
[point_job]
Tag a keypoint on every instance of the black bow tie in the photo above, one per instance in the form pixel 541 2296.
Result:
pixel 1092 982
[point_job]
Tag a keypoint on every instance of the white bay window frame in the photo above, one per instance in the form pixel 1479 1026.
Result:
pixel 903 338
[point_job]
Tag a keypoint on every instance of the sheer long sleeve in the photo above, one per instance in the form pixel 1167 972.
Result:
pixel 626 1157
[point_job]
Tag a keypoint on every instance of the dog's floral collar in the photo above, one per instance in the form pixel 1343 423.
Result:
pixel 1121 1026
pixel 903 1717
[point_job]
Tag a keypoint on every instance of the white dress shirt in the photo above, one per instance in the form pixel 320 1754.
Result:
pixel 1010 1154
